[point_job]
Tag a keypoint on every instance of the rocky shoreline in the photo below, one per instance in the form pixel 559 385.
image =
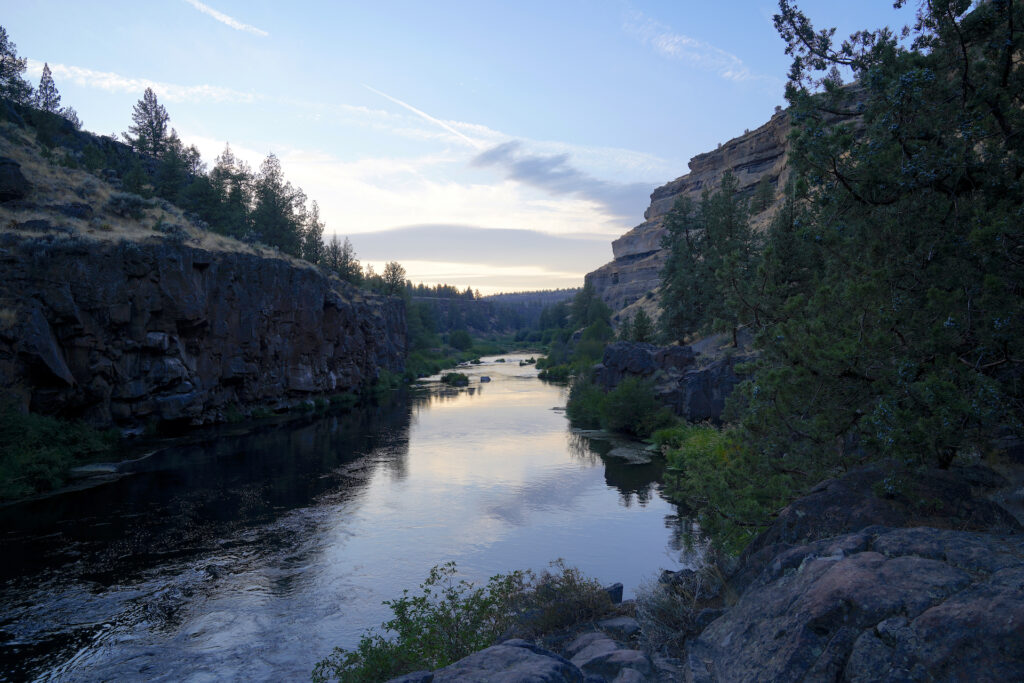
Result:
pixel 859 580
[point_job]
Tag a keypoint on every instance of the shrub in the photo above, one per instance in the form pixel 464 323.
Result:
pixel 455 379
pixel 556 373
pixel 461 340
pixel 735 492
pixel 453 618
pixel 585 403
pixel 36 452
pixel 127 205
pixel 631 407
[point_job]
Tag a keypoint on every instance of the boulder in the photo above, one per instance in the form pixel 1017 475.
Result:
pixel 513 661
pixel 695 392
pixel 13 184
pixel 894 604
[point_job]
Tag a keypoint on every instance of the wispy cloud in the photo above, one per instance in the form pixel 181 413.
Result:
pixel 557 176
pixel 113 82
pixel 427 117
pixel 225 19
pixel 666 42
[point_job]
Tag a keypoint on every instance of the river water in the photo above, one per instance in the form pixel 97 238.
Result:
pixel 249 554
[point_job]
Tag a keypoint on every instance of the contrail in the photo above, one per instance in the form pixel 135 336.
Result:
pixel 426 116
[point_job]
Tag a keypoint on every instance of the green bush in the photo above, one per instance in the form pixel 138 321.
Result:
pixel 631 407
pixel 556 373
pixel 461 340
pixel 735 493
pixel 455 379
pixel 36 452
pixel 452 618
pixel 586 401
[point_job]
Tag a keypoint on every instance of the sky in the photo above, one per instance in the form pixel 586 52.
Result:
pixel 496 145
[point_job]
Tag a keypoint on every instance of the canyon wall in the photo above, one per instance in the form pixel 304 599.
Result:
pixel 128 333
pixel 632 277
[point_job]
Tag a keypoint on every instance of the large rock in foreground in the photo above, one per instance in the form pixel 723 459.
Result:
pixel 128 333
pixel 918 604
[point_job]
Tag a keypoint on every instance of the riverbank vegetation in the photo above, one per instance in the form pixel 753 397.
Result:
pixel 886 296
pixel 37 452
pixel 451 618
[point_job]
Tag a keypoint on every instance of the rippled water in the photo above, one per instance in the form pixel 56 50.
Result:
pixel 250 555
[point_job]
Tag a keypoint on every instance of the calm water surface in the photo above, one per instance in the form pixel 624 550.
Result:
pixel 251 555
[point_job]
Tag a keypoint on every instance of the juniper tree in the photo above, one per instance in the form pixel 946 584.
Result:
pixel 276 212
pixel 47 98
pixel 313 236
pixel 12 85
pixel 149 134
pixel 906 338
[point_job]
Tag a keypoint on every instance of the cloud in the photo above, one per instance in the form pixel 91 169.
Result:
pixel 112 82
pixel 225 19
pixel 491 247
pixel 554 174
pixel 663 40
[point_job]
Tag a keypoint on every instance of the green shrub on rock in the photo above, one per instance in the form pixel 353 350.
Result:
pixel 452 618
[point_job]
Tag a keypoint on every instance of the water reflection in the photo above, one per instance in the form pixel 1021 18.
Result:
pixel 252 554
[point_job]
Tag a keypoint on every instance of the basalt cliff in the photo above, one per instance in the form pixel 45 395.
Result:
pixel 146 320
pixel 632 277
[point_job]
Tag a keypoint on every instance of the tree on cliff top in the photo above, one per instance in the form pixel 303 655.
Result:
pixel 12 85
pixel 47 98
pixel 149 134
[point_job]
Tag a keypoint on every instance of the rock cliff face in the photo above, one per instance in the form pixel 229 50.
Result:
pixel 126 333
pixel 755 155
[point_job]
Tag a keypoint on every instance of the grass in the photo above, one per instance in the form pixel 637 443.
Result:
pixel 37 452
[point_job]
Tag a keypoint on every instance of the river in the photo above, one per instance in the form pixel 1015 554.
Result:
pixel 250 553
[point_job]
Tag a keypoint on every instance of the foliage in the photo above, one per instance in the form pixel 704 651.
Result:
pixel 127 205
pixel 903 336
pixel 461 340
pixel 452 618
pixel 714 471
pixel 632 408
pixel 12 85
pixel 707 281
pixel 47 98
pixel 640 328
pixel 36 452
pixel 148 135
pixel 585 405
pixel 455 379
pixel 393 278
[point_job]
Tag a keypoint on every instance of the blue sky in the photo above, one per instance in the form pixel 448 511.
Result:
pixel 499 145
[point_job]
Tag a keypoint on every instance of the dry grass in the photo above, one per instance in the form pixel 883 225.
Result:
pixel 53 184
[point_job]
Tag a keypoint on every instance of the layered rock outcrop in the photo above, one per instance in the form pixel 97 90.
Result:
pixel 752 157
pixel 127 333
pixel 692 385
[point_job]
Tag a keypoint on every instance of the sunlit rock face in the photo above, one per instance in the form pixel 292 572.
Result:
pixel 751 157
pixel 130 333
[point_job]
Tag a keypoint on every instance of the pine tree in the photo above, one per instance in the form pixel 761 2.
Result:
pixel 348 267
pixel 149 134
pixel 687 284
pixel 905 336
pixel 642 327
pixel 275 216
pixel 232 182
pixel 12 85
pixel 313 236
pixel 47 98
